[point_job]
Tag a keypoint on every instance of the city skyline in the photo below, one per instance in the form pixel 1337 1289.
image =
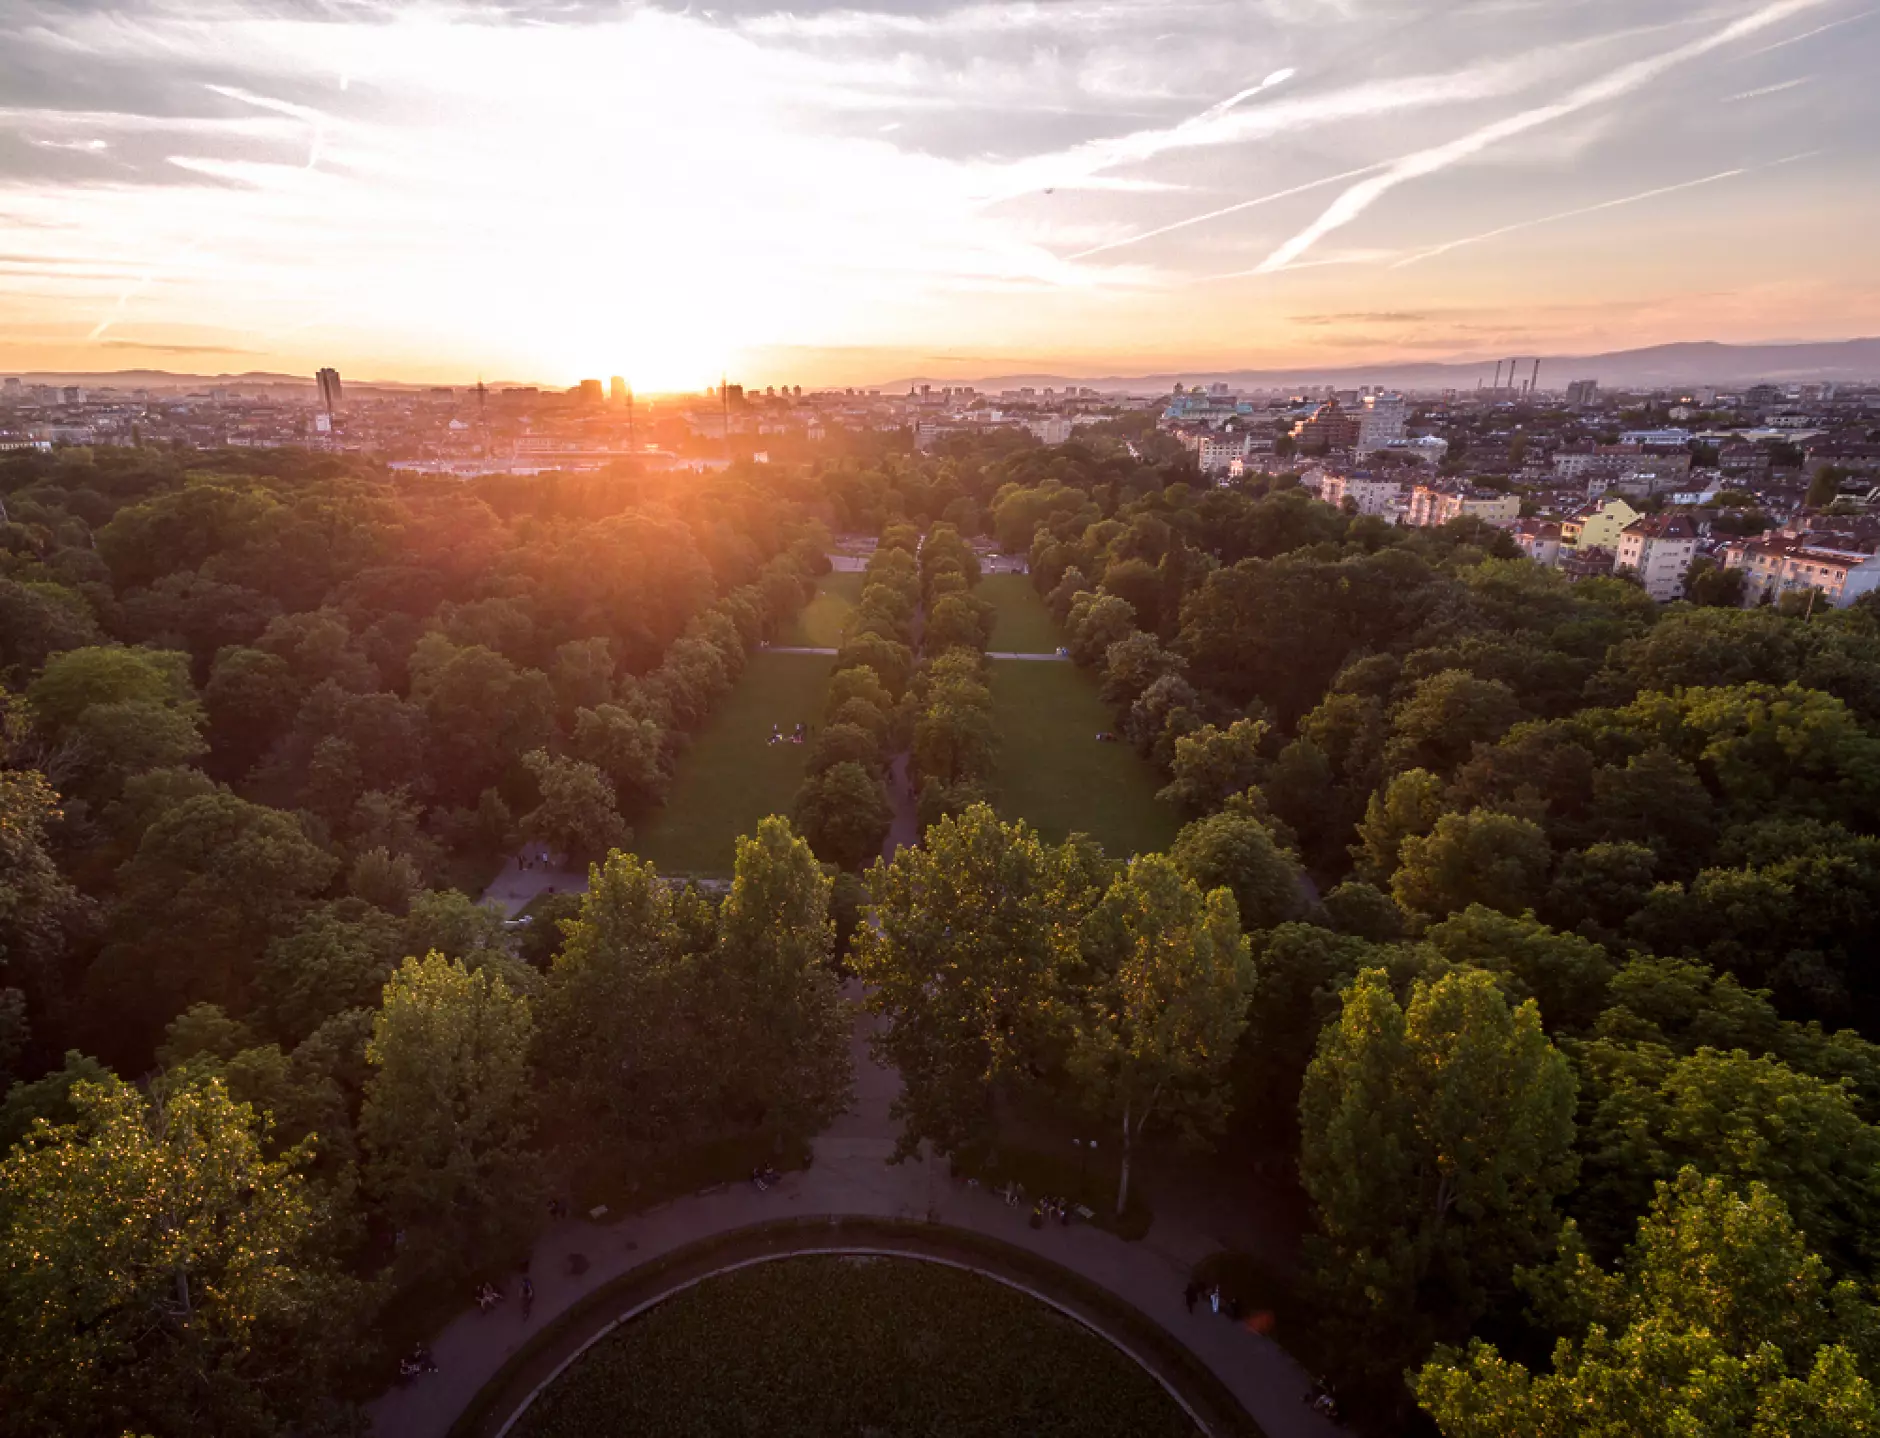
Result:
pixel 845 194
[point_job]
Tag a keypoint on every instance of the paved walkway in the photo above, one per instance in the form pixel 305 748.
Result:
pixel 852 1178
pixel 513 887
pixel 1036 658
pixel 793 649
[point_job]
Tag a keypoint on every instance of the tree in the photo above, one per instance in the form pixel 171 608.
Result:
pixel 1566 974
pixel 789 1043
pixel 76 680
pixel 844 814
pixel 1445 716
pixel 630 750
pixel 957 620
pixel 1651 1112
pixel 448 1112
pixel 1132 664
pixel 1158 1030
pixel 1214 764
pixel 39 909
pixel 165 1275
pixel 213 881
pixel 577 816
pixel 1407 807
pixel 1435 1139
pixel 1235 851
pixel 844 744
pixel 967 962
pixel 1495 860
pixel 1096 622
pixel 1720 1322
pixel 621 1035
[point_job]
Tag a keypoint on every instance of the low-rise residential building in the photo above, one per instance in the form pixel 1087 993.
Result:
pixel 1368 493
pixel 1539 539
pixel 1597 524
pixel 1659 549
pixel 1592 562
pixel 1434 504
pixel 1777 566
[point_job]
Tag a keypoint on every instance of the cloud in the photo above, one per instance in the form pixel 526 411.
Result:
pixel 1617 83
pixel 1367 317
pixel 173 349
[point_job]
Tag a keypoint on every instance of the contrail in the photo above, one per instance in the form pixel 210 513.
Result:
pixel 1621 81
pixel 1228 210
pixel 1810 34
pixel 1446 247
pixel 1765 90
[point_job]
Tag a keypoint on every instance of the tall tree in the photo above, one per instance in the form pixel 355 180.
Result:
pixel 789 1027
pixel 1435 1138
pixel 577 815
pixel 1158 1029
pixel 1720 1322
pixel 448 1113
pixel 967 961
pixel 619 1030
pixel 164 1275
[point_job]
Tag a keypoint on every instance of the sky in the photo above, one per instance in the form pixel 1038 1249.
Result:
pixel 850 193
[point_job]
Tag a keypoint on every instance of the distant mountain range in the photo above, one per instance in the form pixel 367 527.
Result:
pixel 1698 362
pixel 1701 362
pixel 158 379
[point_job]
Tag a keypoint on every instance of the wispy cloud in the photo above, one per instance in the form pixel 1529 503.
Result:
pixel 1619 82
pixel 173 349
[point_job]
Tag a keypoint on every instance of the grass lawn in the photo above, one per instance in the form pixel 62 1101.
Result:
pixel 819 624
pixel 1054 774
pixel 1023 624
pixel 731 777
pixel 830 1345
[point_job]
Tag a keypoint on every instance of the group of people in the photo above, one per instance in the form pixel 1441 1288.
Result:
pixel 534 859
pixel 1047 1208
pixel 765 1176
pixel 488 1296
pixel 797 736
pixel 1321 1400
pixel 419 1362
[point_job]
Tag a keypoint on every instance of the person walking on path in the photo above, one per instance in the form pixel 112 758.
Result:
pixel 1190 1294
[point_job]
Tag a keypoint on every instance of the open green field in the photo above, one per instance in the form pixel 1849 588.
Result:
pixel 1055 775
pixel 819 624
pixel 732 777
pixel 801 1347
pixel 1023 625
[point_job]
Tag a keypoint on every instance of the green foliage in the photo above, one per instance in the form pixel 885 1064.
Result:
pixel 1214 764
pixel 967 963
pixel 448 1113
pixel 165 1275
pixel 844 814
pixel 1235 851
pixel 1721 1322
pixel 788 1057
pixel 1435 1139
pixel 1495 860
pixel 1565 974
pixel 577 815
pixel 1167 1006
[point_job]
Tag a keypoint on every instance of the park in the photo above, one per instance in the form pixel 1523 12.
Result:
pixel 1052 771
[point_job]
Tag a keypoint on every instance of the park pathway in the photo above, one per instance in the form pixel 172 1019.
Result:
pixel 852 1178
